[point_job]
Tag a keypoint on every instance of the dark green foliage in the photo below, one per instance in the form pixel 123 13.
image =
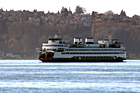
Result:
pixel 79 10
pixel 123 14
pixel 64 11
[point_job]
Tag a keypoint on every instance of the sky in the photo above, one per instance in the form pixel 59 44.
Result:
pixel 131 7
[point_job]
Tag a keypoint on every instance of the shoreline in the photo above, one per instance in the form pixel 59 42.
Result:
pixel 18 58
pixel 37 59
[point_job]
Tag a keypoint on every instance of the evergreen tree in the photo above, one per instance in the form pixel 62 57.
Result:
pixel 79 10
pixel 64 11
pixel 123 14
pixel 93 14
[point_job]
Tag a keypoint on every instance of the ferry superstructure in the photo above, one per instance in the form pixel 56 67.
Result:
pixel 58 50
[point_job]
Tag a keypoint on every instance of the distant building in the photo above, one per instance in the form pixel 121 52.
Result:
pixel 9 55
pixel 2 54
pixel 16 56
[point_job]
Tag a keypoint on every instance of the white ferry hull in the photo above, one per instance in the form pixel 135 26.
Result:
pixel 83 60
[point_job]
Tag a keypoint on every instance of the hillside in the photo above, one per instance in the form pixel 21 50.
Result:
pixel 22 38
pixel 128 34
pixel 22 32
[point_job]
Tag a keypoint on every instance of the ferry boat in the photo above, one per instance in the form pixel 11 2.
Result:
pixel 59 50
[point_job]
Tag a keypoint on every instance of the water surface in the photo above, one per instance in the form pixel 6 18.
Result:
pixel 31 76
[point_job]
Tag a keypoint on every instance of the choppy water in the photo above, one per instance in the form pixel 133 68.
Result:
pixel 30 76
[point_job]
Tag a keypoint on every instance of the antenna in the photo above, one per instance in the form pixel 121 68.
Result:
pixel 57 34
pixel 109 36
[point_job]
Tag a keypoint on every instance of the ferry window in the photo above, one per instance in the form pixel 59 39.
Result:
pixel 54 49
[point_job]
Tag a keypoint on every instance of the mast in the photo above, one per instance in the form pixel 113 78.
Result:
pixel 108 35
pixel 57 35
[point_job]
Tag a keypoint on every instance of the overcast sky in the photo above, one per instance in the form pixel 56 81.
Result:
pixel 131 7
